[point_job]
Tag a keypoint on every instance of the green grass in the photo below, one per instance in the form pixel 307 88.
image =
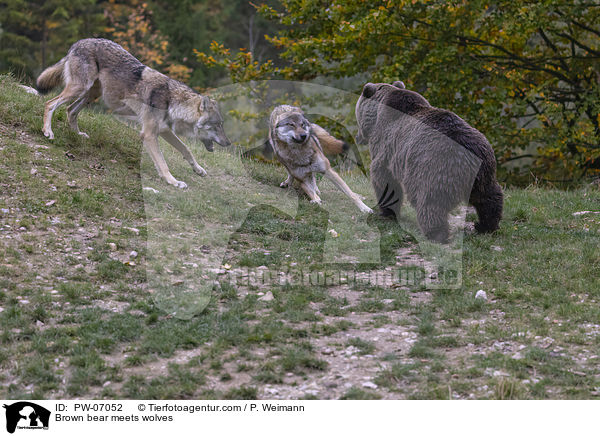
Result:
pixel 82 318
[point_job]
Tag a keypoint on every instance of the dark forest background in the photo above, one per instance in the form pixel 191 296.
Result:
pixel 527 74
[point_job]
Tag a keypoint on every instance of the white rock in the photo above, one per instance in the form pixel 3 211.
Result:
pixel 496 248
pixel 333 233
pixel 481 295
pixel 132 229
pixel 112 246
pixel 4 210
pixel 147 188
pixel 33 172
pixel 29 90
pixel 133 254
pixel 369 385
pixel 267 297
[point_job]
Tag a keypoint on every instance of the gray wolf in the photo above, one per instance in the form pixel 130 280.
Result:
pixel 163 106
pixel 297 145
pixel 430 154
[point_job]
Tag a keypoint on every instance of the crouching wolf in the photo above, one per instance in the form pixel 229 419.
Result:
pixel 163 106
pixel 431 155
pixel 297 145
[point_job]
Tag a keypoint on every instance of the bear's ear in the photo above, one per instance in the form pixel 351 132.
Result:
pixel 399 84
pixel 369 90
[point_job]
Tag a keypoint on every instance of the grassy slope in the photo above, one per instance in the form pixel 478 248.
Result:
pixel 78 319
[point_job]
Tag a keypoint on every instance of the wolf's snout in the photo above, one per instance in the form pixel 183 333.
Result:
pixel 300 138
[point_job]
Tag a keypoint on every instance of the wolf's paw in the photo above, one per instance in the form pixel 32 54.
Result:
pixel 48 134
pixel 365 209
pixel 284 184
pixel 316 201
pixel 180 184
pixel 199 170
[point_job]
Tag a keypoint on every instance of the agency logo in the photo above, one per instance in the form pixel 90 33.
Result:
pixel 26 415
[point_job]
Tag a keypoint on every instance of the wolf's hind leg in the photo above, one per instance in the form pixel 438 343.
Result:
pixel 70 92
pixel 172 139
pixel 341 185
pixel 75 107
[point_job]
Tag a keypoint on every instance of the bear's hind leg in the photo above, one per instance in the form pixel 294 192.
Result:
pixel 387 189
pixel 489 210
pixel 433 221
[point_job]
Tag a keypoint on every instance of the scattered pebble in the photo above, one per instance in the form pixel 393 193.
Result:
pixel 154 191
pixel 369 385
pixel 112 246
pixel 33 172
pixel 481 295
pixel 267 297
pixel 133 254
pixel 333 233
pixel 133 229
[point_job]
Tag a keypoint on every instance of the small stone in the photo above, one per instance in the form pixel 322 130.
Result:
pixel 327 351
pixel 112 246
pixel 333 233
pixel 517 356
pixel 133 254
pixel 496 248
pixel 369 385
pixel 39 323
pixel 4 210
pixel 106 383
pixel 267 297
pixel 154 191
pixel 481 295
pixel 133 229
pixel 50 203
pixel 33 172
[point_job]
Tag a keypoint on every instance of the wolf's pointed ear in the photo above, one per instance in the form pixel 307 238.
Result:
pixel 203 106
pixel 369 90
pixel 399 84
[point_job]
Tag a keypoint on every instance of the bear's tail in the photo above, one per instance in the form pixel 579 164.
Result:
pixel 51 77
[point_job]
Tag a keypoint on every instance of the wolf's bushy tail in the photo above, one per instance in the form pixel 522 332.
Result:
pixel 330 145
pixel 51 77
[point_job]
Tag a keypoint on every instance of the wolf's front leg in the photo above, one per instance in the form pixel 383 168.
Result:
pixel 172 139
pixel 306 187
pixel 150 139
pixel 287 182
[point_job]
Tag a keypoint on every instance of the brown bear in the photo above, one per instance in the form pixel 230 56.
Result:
pixel 431 155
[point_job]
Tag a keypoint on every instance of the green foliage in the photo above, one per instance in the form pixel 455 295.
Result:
pixel 525 74
pixel 36 34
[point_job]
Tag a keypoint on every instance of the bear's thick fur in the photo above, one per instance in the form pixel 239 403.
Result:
pixel 431 155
